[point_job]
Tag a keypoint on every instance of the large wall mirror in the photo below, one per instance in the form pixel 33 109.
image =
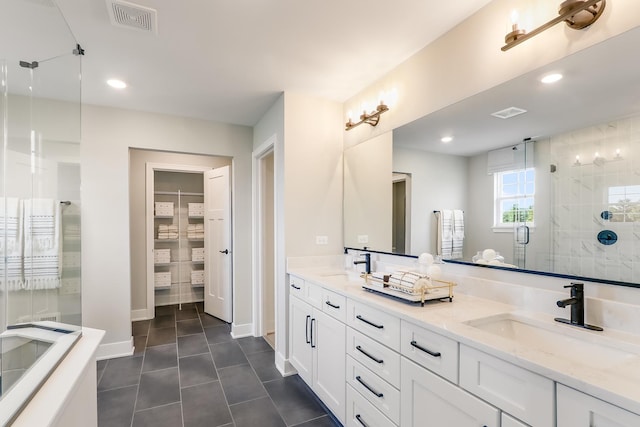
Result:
pixel 553 189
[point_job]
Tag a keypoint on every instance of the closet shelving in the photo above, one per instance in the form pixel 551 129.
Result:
pixel 174 274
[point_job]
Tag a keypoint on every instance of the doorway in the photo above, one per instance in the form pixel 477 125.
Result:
pixel 265 243
pixel 401 213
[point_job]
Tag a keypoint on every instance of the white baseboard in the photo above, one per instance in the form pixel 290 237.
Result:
pixel 115 349
pixel 137 315
pixel 284 366
pixel 241 331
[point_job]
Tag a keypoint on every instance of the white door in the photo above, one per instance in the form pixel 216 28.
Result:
pixel 218 297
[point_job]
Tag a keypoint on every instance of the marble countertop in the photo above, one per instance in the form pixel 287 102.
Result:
pixel 615 381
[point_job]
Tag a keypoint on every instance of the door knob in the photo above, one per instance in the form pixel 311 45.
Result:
pixel 226 252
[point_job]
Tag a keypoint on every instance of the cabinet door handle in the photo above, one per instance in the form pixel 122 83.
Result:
pixel 332 305
pixel 368 322
pixel 359 418
pixel 426 350
pixel 368 387
pixel 368 355
pixel 226 252
pixel 306 330
pixel 295 287
pixel 313 344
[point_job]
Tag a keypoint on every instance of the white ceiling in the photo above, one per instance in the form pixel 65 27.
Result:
pixel 228 60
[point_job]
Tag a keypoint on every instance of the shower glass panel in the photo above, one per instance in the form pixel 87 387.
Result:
pixel 39 186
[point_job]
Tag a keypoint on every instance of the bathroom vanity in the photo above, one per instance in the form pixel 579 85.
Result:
pixel 378 362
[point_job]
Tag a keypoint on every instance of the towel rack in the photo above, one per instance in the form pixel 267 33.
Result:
pixel 435 212
pixel 65 202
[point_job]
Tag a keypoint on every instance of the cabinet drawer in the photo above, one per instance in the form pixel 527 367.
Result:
pixel 381 360
pixel 435 352
pixel 374 323
pixel 361 413
pixel 296 286
pixel 576 409
pixel 313 295
pixel 377 391
pixel 521 393
pixel 334 305
pixel 430 401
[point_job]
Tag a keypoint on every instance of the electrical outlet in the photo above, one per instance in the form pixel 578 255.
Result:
pixel 363 238
pixel 322 240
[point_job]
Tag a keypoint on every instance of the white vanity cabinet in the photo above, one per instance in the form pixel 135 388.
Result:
pixel 576 409
pixel 317 343
pixel 430 401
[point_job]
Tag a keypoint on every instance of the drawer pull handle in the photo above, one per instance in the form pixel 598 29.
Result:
pixel 426 350
pixel 368 322
pixel 368 387
pixel 368 355
pixel 297 288
pixel 313 344
pixel 306 330
pixel 332 305
pixel 359 418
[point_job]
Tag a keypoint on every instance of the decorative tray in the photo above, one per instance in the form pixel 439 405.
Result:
pixel 434 289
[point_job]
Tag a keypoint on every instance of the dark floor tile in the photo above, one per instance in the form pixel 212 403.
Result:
pixel 187 312
pixel 161 336
pixel 218 334
pixel 240 384
pixel 259 412
pixel 265 365
pixel 192 344
pixel 139 344
pixel 325 421
pixel 197 370
pixel 158 388
pixel 100 365
pixel 163 416
pixel 160 357
pixel 209 321
pixel 252 345
pixel 199 306
pixel 294 400
pixel 165 310
pixel 163 321
pixel 204 405
pixel 115 407
pixel 227 354
pixel 188 327
pixel 140 328
pixel 121 372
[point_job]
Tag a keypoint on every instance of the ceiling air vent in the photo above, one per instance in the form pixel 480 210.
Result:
pixel 507 113
pixel 129 15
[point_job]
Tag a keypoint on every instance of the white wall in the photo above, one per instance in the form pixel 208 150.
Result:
pixel 107 135
pixel 468 60
pixel 438 181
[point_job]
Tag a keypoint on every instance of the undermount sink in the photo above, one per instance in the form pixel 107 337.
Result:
pixel 559 340
pixel 345 275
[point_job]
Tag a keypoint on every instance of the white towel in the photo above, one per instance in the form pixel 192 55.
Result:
pixel 42 244
pixel 11 231
pixel 444 233
pixel 457 237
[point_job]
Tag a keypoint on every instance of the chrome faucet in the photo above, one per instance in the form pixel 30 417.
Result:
pixel 577 307
pixel 366 262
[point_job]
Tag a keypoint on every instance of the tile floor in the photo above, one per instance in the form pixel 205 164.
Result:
pixel 187 371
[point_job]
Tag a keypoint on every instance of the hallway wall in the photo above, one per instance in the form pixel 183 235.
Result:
pixel 107 134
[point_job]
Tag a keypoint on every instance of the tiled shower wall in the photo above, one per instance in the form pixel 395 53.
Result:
pixel 580 193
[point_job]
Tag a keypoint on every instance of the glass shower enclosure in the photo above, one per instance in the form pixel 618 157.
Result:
pixel 40 282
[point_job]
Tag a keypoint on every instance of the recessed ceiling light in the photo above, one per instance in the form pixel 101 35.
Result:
pixel 446 139
pixel 117 84
pixel 551 78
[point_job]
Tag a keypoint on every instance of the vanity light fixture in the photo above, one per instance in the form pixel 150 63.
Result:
pixel 116 84
pixel 578 14
pixel 371 118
